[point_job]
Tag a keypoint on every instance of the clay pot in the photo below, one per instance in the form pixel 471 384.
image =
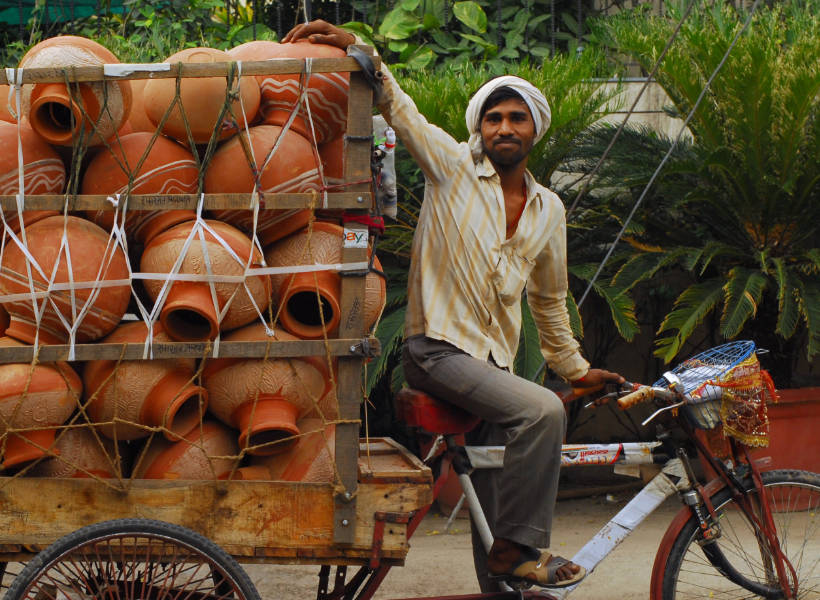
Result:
pixel 93 258
pixel 153 393
pixel 6 104
pixel 291 169
pixel 4 320
pixel 36 398
pixel 79 454
pixel 332 154
pixel 202 98
pixel 264 398
pixel 138 119
pixel 327 92
pixel 310 460
pixel 207 452
pixel 95 110
pixel 43 170
pixel 296 295
pixel 167 168
pixel 188 312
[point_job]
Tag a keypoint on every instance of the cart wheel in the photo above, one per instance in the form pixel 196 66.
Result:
pixel 133 558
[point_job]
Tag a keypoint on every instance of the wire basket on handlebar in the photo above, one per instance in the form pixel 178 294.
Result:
pixel 726 386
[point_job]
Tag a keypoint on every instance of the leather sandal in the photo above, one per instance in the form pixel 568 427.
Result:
pixel 541 572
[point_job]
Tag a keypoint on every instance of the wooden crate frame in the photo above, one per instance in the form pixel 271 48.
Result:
pixel 340 519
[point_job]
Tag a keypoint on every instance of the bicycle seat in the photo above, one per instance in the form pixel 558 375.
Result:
pixel 418 409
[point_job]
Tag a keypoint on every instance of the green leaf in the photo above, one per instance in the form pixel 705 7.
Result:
pixel 528 359
pixel 390 333
pixel 622 310
pixel 397 46
pixel 480 41
pixel 691 307
pixel 420 58
pixel 575 321
pixel 399 24
pixel 788 299
pixel 810 306
pixel 744 290
pixel 471 14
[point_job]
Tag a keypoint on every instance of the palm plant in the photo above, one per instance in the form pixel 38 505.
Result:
pixel 738 207
pixel 577 100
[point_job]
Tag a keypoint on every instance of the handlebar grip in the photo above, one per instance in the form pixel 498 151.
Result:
pixel 643 394
pixel 580 392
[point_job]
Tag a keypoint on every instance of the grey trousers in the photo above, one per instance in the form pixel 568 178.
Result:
pixel 519 499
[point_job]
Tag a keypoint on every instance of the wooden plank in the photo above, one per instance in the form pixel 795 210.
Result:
pixel 272 349
pixel 172 70
pixel 72 203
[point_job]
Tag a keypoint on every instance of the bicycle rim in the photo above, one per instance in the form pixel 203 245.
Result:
pixel 131 559
pixel 794 497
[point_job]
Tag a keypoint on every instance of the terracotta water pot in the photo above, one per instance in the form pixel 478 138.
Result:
pixel 4 320
pixel 202 98
pixel 207 452
pixel 167 168
pixel 93 258
pixel 79 454
pixel 310 460
pixel 6 104
pixel 264 398
pixel 327 92
pixel 60 114
pixel 43 170
pixel 188 312
pixel 138 118
pixel 332 154
pixel 34 398
pixel 295 296
pixel 292 168
pixel 128 398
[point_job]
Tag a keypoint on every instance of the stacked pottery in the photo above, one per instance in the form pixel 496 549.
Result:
pixel 130 398
pixel 209 451
pixel 308 302
pixel 6 104
pixel 35 399
pixel 141 164
pixel 43 171
pixel 79 453
pixel 191 309
pixel 311 459
pixel 207 105
pixel 78 254
pixel 326 92
pixel 138 119
pixel 264 398
pixel 283 161
pixel 91 112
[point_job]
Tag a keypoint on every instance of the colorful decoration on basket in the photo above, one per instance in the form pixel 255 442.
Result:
pixel 43 170
pixel 79 453
pixel 204 104
pixel 139 163
pixel 35 399
pixel 71 277
pixel 88 112
pixel 126 400
pixel 197 310
pixel 264 398
pixel 284 162
pixel 209 451
pixel 308 302
pixel 326 92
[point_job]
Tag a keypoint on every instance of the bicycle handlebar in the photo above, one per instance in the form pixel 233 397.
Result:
pixel 644 394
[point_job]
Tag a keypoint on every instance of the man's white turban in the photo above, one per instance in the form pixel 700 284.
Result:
pixel 535 100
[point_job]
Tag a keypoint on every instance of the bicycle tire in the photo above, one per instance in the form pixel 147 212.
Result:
pixel 795 500
pixel 128 559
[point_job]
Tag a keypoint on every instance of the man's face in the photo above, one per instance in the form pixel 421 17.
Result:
pixel 508 132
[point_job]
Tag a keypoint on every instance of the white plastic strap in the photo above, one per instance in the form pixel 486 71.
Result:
pixel 305 98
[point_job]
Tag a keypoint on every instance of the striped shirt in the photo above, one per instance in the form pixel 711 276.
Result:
pixel 466 279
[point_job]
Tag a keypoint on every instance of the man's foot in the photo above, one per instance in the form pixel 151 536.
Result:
pixel 511 561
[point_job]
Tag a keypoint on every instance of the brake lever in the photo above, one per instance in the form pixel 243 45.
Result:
pixel 622 389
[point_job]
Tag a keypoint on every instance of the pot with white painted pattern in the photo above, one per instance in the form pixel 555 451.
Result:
pixel 190 309
pixel 264 398
pixel 35 399
pixel 90 111
pixel 128 399
pixel 78 273
pixel 165 167
pixel 326 92
pixel 308 303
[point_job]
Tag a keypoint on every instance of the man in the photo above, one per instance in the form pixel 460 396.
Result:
pixel 487 229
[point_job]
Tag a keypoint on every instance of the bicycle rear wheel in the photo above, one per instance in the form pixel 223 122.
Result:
pixel 127 559
pixel 794 497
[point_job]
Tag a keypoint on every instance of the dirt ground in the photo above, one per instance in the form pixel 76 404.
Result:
pixel 440 562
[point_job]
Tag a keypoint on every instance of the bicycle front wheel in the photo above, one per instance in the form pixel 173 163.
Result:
pixel 794 497
pixel 130 559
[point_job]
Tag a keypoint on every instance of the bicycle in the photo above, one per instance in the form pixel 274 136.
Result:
pixel 747 533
